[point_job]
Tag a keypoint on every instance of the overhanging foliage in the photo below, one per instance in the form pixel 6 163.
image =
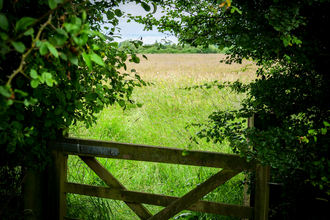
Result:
pixel 290 42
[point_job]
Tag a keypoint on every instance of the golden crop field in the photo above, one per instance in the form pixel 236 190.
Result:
pixel 191 68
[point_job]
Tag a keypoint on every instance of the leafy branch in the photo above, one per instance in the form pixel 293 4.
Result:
pixel 24 56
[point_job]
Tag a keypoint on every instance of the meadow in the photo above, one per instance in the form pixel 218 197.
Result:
pixel 167 109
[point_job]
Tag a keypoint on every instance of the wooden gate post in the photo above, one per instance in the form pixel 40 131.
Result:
pixel 34 192
pixel 261 201
pixel 57 176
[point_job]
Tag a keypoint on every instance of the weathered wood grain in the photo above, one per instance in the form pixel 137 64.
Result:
pixel 161 154
pixel 261 202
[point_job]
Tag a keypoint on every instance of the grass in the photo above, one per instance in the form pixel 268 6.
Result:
pixel 167 110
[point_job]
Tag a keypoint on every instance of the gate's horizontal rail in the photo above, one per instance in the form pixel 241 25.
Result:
pixel 158 200
pixel 155 154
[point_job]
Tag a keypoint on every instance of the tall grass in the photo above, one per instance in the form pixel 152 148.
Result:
pixel 162 120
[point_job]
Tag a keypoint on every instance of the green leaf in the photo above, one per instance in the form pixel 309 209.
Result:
pixel 29 140
pixel 72 28
pixel 58 111
pixel 10 148
pixel 77 21
pixel 34 83
pixel 110 15
pixel 46 75
pixel 5 91
pixel 305 140
pixel 52 4
pixel 326 124
pixel 60 37
pixel 30 102
pixel 52 49
pixel 33 74
pixel 113 44
pixel 63 56
pixel 23 94
pixel 97 59
pixel 286 40
pixel 1 4
pixel 95 47
pixel 73 59
pixel 4 25
pixel 16 124
pixel 84 15
pixel 59 1
pixel 43 48
pixel 185 152
pixel 80 40
pixel 80 106
pixel 68 95
pixel 118 13
pixel 42 80
pixel 324 131
pixel 48 123
pixel 29 32
pixel 26 102
pixel 49 82
pixel 87 60
pixel 121 103
pixel 52 41
pixel 3 36
pixel 23 23
pixel 136 59
pixel 19 46
pixel 312 131
pixel 145 6
pixel 233 9
pixel 38 43
pixel 61 31
pixel 48 78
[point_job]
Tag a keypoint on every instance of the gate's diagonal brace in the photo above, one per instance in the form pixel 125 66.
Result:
pixel 194 195
pixel 112 182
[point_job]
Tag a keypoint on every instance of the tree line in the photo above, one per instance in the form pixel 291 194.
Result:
pixel 171 48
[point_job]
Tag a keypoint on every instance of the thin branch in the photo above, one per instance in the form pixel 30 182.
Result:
pixel 20 68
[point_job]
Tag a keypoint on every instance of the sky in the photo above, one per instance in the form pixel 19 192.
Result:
pixel 135 31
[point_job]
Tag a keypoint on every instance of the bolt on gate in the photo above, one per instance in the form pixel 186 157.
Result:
pixel 88 150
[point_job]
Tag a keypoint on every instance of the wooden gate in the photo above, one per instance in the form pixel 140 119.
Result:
pixel 87 150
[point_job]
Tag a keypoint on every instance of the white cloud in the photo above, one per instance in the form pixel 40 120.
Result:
pixel 152 39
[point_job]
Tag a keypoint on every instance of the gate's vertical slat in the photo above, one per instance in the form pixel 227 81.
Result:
pixel 57 177
pixel 261 202
pixel 111 181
